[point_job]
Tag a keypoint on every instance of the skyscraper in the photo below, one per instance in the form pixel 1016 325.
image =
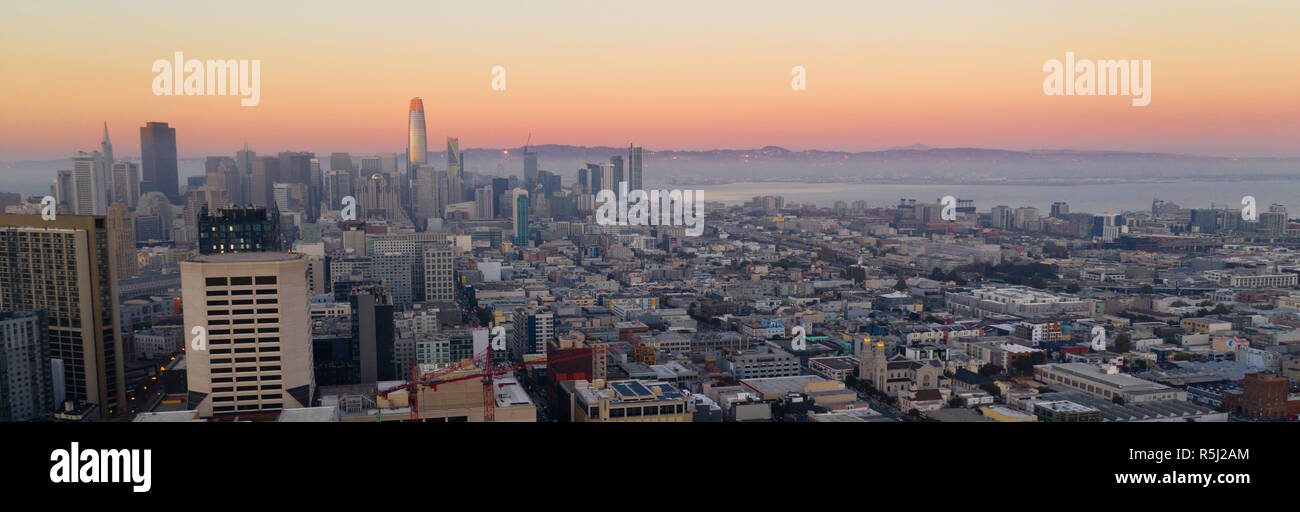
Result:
pixel 158 160
pixel 126 183
pixel 258 357
pixel 619 176
pixel 244 160
pixel 530 170
pixel 373 333
pixel 73 278
pixel 608 181
pixel 634 167
pixel 84 191
pixel 266 173
pixel 417 145
pixel 483 203
pixel 499 187
pixel 121 239
pixel 65 191
pixel 594 176
pixel 519 208
pixel 25 371
pixel 455 172
pixel 424 194
pixel 104 175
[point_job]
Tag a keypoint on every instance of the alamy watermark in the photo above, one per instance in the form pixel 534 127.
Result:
pixel 194 77
pixel 652 208
pixel 1099 78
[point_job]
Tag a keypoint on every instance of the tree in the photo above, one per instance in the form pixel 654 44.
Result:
pixel 1073 288
pixel 956 402
pixel 991 388
pixel 937 274
pixel 990 370
pixel 901 285
pixel 1119 400
pixel 1182 356
pixel 1221 310
pixel 914 413
pixel 1123 343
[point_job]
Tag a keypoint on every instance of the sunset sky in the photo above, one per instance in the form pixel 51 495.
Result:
pixel 338 76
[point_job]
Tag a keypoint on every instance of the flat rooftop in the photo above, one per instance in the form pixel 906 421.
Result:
pixel 768 386
pixel 837 362
pixel 1065 406
pixel 246 257
pixel 1118 381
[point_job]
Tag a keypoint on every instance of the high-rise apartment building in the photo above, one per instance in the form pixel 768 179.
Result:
pixel 253 307
pixel 26 379
pixel 65 266
pixel 439 283
pixel 158 164
pixel 635 167
pixel 534 327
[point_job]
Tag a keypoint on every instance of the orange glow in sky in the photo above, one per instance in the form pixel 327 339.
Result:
pixel 670 75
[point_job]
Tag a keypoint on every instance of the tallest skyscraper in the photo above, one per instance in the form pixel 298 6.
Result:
pixel 417 145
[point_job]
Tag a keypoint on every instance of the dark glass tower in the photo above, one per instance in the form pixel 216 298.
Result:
pixel 158 161
pixel 239 229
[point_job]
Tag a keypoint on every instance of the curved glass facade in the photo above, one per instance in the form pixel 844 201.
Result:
pixel 418 143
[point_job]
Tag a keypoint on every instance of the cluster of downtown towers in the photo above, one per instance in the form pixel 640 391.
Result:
pixel 61 276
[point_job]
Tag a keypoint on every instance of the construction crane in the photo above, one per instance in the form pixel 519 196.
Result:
pixel 487 376
pixel 505 153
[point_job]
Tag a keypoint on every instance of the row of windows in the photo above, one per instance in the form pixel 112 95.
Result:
pixel 260 291
pixel 250 407
pixel 231 389
pixel 241 302
pixel 246 369
pixel 249 378
pixel 239 280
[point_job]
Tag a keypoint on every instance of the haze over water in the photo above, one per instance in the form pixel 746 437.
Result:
pixel 1112 198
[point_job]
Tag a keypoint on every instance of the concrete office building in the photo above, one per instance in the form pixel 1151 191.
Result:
pixel 253 306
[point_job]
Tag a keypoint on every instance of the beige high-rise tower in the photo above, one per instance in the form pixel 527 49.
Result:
pixel 121 240
pixel 252 307
pixel 65 266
